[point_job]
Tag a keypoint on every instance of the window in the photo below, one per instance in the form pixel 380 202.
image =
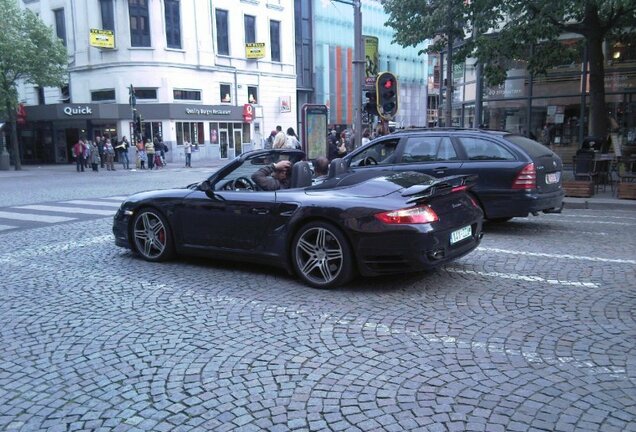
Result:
pixel 145 93
pixel 65 94
pixel 252 95
pixel 222 41
pixel 379 153
pixel 428 149
pixel 274 38
pixel 60 25
pixel 481 149
pixel 108 14
pixel 173 23
pixel 250 28
pixel 103 95
pixel 226 95
pixel 139 23
pixel 185 94
pixel 191 131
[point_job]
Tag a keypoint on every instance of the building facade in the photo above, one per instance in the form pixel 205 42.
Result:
pixel 218 73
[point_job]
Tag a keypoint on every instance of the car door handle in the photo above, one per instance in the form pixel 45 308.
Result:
pixel 260 211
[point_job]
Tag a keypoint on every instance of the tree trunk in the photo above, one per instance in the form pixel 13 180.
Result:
pixel 13 136
pixel 598 112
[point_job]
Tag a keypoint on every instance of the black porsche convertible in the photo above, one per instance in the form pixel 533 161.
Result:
pixel 325 230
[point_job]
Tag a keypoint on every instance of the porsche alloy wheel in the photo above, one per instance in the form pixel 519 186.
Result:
pixel 151 236
pixel 321 256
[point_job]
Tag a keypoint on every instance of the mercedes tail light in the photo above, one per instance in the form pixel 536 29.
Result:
pixel 412 215
pixel 526 179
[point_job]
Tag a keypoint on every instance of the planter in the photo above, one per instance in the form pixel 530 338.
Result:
pixel 578 188
pixel 627 191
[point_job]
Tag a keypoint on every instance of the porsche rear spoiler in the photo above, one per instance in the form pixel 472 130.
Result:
pixel 441 186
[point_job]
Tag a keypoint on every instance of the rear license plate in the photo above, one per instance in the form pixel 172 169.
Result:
pixel 460 234
pixel 552 178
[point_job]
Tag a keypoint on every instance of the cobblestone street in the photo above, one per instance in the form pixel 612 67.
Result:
pixel 534 330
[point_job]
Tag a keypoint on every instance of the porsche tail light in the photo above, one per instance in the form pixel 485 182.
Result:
pixel 412 215
pixel 526 179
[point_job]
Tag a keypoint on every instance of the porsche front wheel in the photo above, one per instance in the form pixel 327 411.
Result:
pixel 321 256
pixel 152 238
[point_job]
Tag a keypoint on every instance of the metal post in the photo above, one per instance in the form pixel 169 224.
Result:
pixel 358 70
pixel 583 97
pixel 441 89
pixel 479 96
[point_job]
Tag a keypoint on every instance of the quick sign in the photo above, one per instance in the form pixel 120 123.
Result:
pixel 102 38
pixel 78 110
pixel 204 111
pixel 248 113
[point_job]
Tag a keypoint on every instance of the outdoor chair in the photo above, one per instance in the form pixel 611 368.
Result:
pixel 584 168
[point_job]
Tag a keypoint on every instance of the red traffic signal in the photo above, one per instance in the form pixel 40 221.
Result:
pixel 387 94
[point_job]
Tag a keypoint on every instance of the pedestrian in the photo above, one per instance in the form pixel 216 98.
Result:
pixel 291 140
pixel 342 145
pixel 122 148
pixel 109 154
pixel 94 157
pixel 269 142
pixel 150 152
pixel 78 154
pixel 100 149
pixel 366 134
pixel 141 154
pixel 87 154
pixel 187 149
pixel 280 139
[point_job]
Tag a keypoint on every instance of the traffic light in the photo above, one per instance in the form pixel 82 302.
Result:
pixel 386 88
pixel 132 99
pixel 372 103
pixel 137 119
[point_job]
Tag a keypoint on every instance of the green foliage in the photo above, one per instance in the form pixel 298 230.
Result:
pixel 29 51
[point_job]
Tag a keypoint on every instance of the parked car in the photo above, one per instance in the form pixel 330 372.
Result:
pixel 516 175
pixel 369 222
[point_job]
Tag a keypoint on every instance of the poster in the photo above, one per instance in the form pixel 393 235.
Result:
pixel 315 130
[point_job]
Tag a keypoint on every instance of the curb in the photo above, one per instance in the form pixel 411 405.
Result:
pixel 599 204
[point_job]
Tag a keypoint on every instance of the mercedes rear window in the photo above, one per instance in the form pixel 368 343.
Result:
pixel 533 148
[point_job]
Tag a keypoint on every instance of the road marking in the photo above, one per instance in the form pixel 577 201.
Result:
pixel 514 276
pixel 67 209
pixel 34 217
pixel 591 216
pixel 6 227
pixel 94 203
pixel 557 256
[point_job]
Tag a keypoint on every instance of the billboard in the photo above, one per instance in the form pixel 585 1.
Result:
pixel 102 38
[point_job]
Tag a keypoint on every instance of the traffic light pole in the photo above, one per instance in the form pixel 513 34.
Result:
pixel 358 70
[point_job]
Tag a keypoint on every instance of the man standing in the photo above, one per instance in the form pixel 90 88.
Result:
pixel 78 152
pixel 122 148
pixel 187 148
pixel 280 139
pixel 100 150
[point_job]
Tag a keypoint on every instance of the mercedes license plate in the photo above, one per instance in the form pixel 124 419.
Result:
pixel 552 178
pixel 460 234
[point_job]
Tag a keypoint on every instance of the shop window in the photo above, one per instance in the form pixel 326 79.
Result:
pixel 222 33
pixel 191 131
pixel 186 94
pixel 274 38
pixel 225 93
pixel 103 95
pixel 139 23
pixel 252 95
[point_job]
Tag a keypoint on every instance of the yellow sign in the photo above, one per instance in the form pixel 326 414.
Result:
pixel 102 38
pixel 255 50
pixel 371 57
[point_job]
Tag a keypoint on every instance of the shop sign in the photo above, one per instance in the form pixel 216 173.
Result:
pixel 77 110
pixel 284 104
pixel 208 112
pixel 102 38
pixel 248 113
pixel 255 50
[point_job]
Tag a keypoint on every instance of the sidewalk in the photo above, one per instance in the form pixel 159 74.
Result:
pixel 599 201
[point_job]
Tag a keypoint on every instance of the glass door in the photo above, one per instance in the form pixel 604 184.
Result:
pixel 238 138
pixel 224 142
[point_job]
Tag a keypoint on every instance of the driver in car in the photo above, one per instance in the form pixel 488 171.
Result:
pixel 274 176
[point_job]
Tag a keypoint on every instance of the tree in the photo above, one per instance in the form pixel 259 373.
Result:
pixel 539 24
pixel 30 52
pixel 441 21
